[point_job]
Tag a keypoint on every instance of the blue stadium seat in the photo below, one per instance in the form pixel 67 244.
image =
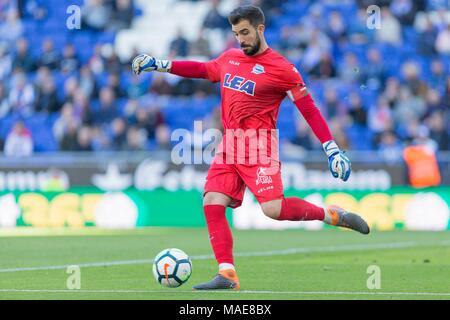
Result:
pixel 287 130
pixel 360 137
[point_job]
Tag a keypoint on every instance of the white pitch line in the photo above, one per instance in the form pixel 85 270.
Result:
pixel 342 248
pixel 232 292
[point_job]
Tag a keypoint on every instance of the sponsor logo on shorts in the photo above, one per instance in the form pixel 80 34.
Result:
pixel 262 176
pixel 265 189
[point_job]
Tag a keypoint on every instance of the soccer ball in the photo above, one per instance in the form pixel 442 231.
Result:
pixel 172 267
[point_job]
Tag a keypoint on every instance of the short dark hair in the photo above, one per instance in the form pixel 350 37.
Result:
pixel 252 14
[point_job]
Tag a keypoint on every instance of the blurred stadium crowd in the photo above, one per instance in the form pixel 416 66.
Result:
pixel 63 89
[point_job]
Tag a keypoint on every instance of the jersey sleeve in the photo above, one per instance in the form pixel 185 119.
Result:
pixel 292 84
pixel 213 68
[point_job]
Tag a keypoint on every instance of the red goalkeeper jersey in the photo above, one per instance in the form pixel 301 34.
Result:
pixel 252 89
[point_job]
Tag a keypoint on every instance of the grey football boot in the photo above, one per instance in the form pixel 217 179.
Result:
pixel 224 280
pixel 339 217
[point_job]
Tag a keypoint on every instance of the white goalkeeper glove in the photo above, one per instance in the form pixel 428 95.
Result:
pixel 144 62
pixel 338 163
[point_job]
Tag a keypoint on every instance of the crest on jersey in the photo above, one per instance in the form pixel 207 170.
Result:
pixel 258 69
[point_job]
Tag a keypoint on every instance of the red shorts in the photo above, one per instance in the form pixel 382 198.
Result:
pixel 264 181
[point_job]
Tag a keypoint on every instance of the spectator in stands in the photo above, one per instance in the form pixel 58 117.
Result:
pixel 214 119
pixel 438 126
pixel 95 15
pixel 374 71
pixel 70 88
pixel 325 69
pixel 332 103
pixel 184 87
pixel 5 7
pixel 11 29
pixel 443 41
pixel 422 137
pixel 149 120
pixel 391 30
pixel 205 88
pixel 179 47
pixel 84 139
pixel 47 100
pixel 315 18
pixel 380 116
pixel 108 108
pixel 111 59
pixel 130 109
pixel 5 62
pixel 114 83
pixel 82 108
pixel 302 137
pixel 390 148
pixel 410 72
pixel 87 82
pixel 64 123
pixel 21 95
pixel 50 56
pixel 160 85
pixel 19 142
pixel 200 47
pixel 409 108
pixel 69 62
pixel 357 28
pixel 336 28
pixel 136 88
pixel 337 126
pixel 427 39
pixel 100 141
pixel 213 19
pixel 391 91
pixel 349 68
pixel 35 9
pixel 122 15
pixel 96 62
pixel 118 134
pixel 437 75
pixel 162 137
pixel 23 58
pixel 357 111
pixel 287 39
pixel 271 9
pixel 440 18
pixel 434 103
pixel 319 44
pixel 136 139
pixel 5 106
pixel 447 93
pixel 404 10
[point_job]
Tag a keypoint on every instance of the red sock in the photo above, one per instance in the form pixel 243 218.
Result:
pixel 296 209
pixel 219 233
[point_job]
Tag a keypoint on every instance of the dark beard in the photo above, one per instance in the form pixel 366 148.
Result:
pixel 255 48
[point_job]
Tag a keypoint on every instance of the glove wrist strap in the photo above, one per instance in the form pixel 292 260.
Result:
pixel 330 148
pixel 163 65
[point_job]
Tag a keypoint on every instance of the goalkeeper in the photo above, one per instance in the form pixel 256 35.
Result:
pixel 254 80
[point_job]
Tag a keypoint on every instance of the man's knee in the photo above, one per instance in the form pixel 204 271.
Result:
pixel 216 198
pixel 272 208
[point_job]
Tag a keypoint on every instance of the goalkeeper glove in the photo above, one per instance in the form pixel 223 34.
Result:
pixel 144 62
pixel 338 163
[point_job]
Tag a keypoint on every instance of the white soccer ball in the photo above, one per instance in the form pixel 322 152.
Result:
pixel 172 267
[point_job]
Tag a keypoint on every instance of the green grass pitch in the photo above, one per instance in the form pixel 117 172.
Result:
pixel 291 264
